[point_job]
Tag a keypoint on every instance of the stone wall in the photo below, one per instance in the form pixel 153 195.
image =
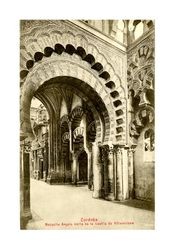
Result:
pixel 143 171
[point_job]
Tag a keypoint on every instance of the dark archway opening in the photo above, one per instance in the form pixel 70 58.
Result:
pixel 82 163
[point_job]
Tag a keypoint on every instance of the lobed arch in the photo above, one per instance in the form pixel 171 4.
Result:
pixel 76 116
pixel 43 39
pixel 143 117
pixel 108 85
pixel 105 114
pixel 64 120
pixel 100 119
pixel 37 39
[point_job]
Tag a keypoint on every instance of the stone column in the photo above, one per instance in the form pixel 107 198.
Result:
pixel 50 146
pixel 90 173
pixel 61 168
pixel 118 175
pixel 105 175
pixel 35 163
pixel 125 173
pixel 97 171
pixel 54 140
pixel 51 167
pixel 45 161
pixel 74 169
pixel 131 173
pixel 110 195
pixel 25 212
pixel 31 162
pixel 70 137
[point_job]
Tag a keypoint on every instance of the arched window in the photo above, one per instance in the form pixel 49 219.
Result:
pixel 138 30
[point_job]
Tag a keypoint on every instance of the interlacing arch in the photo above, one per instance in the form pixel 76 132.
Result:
pixel 141 88
pixel 54 54
pixel 143 117
pixel 64 125
pixel 76 116
pixel 64 119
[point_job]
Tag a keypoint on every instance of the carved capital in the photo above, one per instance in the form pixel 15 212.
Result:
pixel 27 147
pixel 111 149
pixel 118 150
pixel 131 152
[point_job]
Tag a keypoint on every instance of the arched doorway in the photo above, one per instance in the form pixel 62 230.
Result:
pixel 82 167
pixel 54 73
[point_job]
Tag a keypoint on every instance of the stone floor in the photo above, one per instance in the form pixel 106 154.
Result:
pixel 70 207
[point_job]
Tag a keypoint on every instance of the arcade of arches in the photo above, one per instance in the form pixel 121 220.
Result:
pixel 93 82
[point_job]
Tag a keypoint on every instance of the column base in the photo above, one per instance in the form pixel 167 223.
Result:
pixel 24 218
pixel 74 183
pixel 97 194
pixel 120 198
pixel 110 197
pixel 54 178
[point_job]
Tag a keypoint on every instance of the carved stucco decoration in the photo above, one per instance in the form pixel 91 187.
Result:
pixel 143 116
pixel 141 85
pixel 36 40
pixel 34 31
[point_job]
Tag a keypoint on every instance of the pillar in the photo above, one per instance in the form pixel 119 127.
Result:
pixel 25 212
pixel 50 167
pixel 90 173
pixel 54 139
pixel 110 195
pixel 70 137
pixel 97 171
pixel 125 173
pixel 118 174
pixel 52 152
pixel 35 164
pixel 131 173
pixel 74 169
pixel 105 171
pixel 45 161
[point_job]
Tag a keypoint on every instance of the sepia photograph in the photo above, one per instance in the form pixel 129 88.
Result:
pixel 87 138
pixel 87 124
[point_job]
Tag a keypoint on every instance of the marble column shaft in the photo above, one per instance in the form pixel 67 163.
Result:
pixel 131 173
pixel 90 173
pixel 119 180
pixel 74 170
pixel 97 170
pixel 25 212
pixel 111 173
